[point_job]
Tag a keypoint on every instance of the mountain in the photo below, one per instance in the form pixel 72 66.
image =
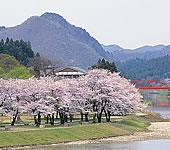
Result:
pixel 112 48
pixel 147 62
pixel 136 69
pixel 146 52
pixel 53 37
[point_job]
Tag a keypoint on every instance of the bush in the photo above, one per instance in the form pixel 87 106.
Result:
pixel 8 62
pixel 19 73
pixel 11 68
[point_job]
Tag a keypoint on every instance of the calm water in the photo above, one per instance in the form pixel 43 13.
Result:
pixel 164 111
pixel 162 144
pixel 142 145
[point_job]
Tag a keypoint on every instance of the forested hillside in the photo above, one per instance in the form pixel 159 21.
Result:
pixel 14 58
pixel 19 49
pixel 146 69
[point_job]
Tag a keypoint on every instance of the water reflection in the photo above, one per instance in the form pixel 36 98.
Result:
pixel 98 147
pixel 163 111
pixel 140 145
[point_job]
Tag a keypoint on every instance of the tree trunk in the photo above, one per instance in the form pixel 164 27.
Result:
pixel 99 117
pixel 65 118
pixel 71 117
pixel 39 119
pixel 35 120
pixel 52 120
pixel 81 114
pixel 108 120
pixel 94 118
pixel 14 119
pixel 86 117
pixel 57 115
pixel 61 118
pixel 108 116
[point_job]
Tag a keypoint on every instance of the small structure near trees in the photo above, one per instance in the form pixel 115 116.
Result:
pixel 69 72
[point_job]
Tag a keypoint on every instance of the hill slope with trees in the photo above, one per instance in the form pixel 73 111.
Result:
pixel 21 50
pixel 157 68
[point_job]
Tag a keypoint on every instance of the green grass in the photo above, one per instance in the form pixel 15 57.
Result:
pixel 11 68
pixel 59 135
pixel 31 135
pixel 133 124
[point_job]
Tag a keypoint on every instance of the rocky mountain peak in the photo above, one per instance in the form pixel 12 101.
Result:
pixel 54 18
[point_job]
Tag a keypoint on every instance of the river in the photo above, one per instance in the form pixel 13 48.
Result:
pixel 163 111
pixel 140 145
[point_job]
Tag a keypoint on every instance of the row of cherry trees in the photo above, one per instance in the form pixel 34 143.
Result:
pixel 99 92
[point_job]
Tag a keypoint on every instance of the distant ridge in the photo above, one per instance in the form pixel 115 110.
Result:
pixel 153 69
pixel 146 52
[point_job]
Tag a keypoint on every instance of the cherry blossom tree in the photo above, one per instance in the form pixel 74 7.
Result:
pixel 111 93
pixel 78 97
pixel 98 92
pixel 18 96
pixel 12 96
pixel 39 98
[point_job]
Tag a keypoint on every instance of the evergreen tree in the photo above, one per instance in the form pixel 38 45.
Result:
pixel 104 64
pixel 21 50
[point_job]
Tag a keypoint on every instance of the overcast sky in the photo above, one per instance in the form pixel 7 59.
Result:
pixel 128 23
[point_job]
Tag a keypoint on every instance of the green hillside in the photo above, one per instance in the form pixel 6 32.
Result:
pixel 11 68
pixel 157 68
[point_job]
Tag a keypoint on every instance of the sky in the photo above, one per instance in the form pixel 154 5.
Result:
pixel 128 23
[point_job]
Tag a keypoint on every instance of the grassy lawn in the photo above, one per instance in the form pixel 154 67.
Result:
pixel 58 135
pixel 133 124
pixel 28 135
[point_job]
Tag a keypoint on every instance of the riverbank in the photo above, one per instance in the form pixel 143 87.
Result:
pixel 125 129
pixel 157 130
